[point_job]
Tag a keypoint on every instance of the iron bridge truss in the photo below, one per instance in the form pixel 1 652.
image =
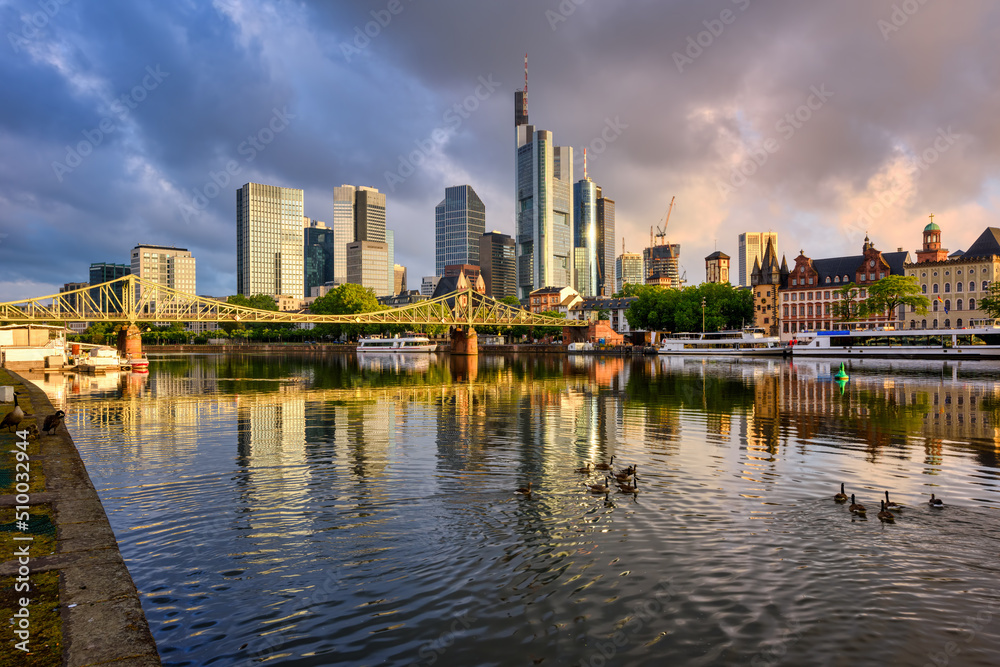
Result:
pixel 132 299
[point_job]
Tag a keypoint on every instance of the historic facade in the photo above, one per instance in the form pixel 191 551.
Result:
pixel 766 280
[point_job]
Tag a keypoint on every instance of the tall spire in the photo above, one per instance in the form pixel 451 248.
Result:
pixel 584 163
pixel 524 100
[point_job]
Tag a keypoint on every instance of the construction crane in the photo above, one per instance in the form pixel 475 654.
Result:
pixel 661 233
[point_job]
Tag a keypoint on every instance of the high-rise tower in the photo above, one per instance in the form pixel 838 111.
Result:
pixel 459 222
pixel 269 241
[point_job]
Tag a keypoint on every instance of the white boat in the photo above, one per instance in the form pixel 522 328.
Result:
pixel 580 347
pixel 101 360
pixel 743 343
pixel 980 341
pixel 396 344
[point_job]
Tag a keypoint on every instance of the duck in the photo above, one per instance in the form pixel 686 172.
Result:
pixel 841 497
pixel 604 466
pixel 52 421
pixel 585 470
pixel 599 488
pixel 14 417
pixel 855 507
pixel 32 432
pixel 625 487
pixel 526 490
pixel 935 502
pixel 889 505
pixel 885 515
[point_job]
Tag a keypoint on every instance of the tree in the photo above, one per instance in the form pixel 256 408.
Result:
pixel 845 308
pixel 660 309
pixel 631 289
pixel 543 331
pixel 990 304
pixel 893 291
pixel 346 299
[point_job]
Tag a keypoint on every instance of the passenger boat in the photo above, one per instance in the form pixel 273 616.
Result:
pixel 979 341
pixel 746 342
pixel 575 348
pixel 396 344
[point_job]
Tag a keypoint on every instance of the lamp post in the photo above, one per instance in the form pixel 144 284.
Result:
pixel 703 314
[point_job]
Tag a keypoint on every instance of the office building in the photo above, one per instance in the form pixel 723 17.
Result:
pixel 752 247
pixel 459 222
pixel 358 215
pixel 73 300
pixel 319 254
pixel 428 284
pixel 544 205
pixel 661 265
pixel 717 268
pixel 498 264
pixel 269 241
pixel 605 245
pixel 398 279
pixel 366 262
pixel 628 270
pixel 390 267
pixel 102 272
pixel 585 237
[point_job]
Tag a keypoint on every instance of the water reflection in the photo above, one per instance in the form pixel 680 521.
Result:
pixel 343 509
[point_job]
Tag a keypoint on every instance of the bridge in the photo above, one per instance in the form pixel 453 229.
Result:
pixel 132 300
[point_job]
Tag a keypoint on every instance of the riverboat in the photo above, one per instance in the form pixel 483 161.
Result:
pixel 396 344
pixel 743 343
pixel 979 341
pixel 576 348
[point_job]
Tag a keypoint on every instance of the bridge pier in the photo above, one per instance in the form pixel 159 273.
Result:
pixel 464 341
pixel 130 342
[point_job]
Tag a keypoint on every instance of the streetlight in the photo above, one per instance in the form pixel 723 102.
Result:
pixel 703 314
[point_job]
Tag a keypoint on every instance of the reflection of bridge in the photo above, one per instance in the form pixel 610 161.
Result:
pixel 131 299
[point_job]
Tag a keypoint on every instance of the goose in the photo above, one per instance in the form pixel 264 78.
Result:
pixel 855 507
pixel 52 421
pixel 885 515
pixel 584 470
pixel 598 488
pixel 889 505
pixel 14 417
pixel 841 497
pixel 623 475
pixel 935 502
pixel 605 466
pixel 526 490
pixel 625 487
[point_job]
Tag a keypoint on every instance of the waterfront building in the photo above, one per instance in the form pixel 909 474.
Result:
pixel 752 247
pixel 102 272
pixel 605 245
pixel 766 280
pixel 613 309
pixel 585 237
pixel 956 283
pixel 366 262
pixel 560 299
pixel 428 284
pixel 320 251
pixel 459 223
pixel 398 279
pixel 628 270
pixel 717 267
pixel 543 197
pixel 269 241
pixel 808 296
pixel 498 264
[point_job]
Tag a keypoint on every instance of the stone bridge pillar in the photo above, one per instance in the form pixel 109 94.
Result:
pixel 130 342
pixel 464 341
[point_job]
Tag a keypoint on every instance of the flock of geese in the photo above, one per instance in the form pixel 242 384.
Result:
pixel 14 418
pixel 888 506
pixel 622 478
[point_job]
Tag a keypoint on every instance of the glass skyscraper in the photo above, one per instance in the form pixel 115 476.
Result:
pixel 319 254
pixel 585 237
pixel 358 215
pixel 752 246
pixel 269 241
pixel 459 222
pixel 498 264
pixel 605 245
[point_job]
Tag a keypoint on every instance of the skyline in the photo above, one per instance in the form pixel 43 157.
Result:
pixel 167 111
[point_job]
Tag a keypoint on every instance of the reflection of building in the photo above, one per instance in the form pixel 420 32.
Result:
pixel 954 284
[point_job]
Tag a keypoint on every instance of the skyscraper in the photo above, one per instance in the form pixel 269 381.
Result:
pixel 320 252
pixel 269 241
pixel 102 272
pixel 585 237
pixel 628 270
pixel 165 265
pixel 366 262
pixel 752 246
pixel 459 222
pixel 358 215
pixel 544 204
pixel 498 264
pixel 605 245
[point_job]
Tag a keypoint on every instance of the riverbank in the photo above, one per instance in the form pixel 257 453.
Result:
pixel 83 607
pixel 333 348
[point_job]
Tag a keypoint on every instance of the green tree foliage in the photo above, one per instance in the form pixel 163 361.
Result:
pixel 846 307
pixel 662 309
pixel 990 304
pixel 631 289
pixel 552 332
pixel 348 299
pixel 886 295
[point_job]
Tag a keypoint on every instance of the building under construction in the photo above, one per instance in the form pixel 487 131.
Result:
pixel 661 260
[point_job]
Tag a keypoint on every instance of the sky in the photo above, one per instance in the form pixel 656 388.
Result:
pixel 136 122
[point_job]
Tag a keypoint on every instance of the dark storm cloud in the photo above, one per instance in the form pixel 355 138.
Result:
pixel 369 94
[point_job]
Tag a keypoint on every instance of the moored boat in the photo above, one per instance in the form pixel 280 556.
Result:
pixel 981 341
pixel 396 344
pixel 746 342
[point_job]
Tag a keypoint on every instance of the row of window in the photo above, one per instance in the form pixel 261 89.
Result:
pixel 958 287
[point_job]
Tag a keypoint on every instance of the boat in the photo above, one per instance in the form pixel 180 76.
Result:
pixel 574 348
pixel 979 341
pixel 396 344
pixel 101 360
pixel 743 343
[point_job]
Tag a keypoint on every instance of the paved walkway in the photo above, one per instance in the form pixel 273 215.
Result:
pixel 101 617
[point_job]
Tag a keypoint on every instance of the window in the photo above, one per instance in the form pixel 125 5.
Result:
pixel 837 279
pixel 947 288
pixel 810 296
pixel 958 323
pixel 923 275
pixel 935 274
pixel 864 293
pixel 958 304
pixel 810 281
pixel 923 324
pixel 959 272
pixel 986 285
pixel 934 288
pixel 881 275
pixel 828 280
pixel 934 305
pixel 935 325
pixel 795 296
pixel 786 327
pixel 826 309
pixel 795 281
pixel 826 295
pixel 871 276
pixel 802 310
pixel 913 324
pixel 972 304
pixel 947 324
pixel 947 305
pixel 810 309
pixel 786 312
pixel 958 286
pixel 785 297
pixel 846 279
pixel 923 289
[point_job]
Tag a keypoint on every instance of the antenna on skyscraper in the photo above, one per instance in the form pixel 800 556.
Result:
pixel 585 163
pixel 524 102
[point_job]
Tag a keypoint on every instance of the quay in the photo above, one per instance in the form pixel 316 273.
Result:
pixel 84 607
